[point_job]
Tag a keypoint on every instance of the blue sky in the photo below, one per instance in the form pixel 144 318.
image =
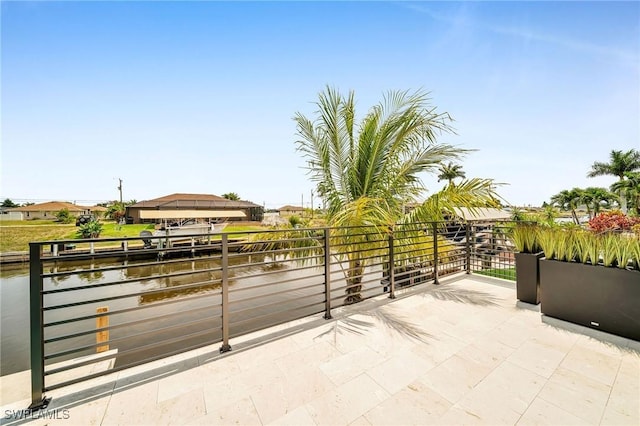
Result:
pixel 199 97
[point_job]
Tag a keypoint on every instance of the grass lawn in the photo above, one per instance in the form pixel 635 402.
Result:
pixel 505 274
pixel 17 238
pixel 28 222
pixel 15 235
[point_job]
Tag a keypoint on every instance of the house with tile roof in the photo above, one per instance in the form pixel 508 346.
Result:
pixel 290 210
pixel 193 206
pixel 50 209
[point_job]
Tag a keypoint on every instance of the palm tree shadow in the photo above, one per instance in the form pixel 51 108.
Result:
pixel 400 324
pixel 394 322
pixel 461 295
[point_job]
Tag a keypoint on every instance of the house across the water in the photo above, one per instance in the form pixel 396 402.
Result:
pixel 50 209
pixel 193 206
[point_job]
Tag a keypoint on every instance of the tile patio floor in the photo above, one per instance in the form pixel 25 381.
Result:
pixel 464 352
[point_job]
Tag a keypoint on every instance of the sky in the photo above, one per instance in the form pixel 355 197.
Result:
pixel 199 97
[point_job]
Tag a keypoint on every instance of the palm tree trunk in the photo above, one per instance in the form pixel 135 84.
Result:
pixel 354 278
pixel 575 217
pixel 623 202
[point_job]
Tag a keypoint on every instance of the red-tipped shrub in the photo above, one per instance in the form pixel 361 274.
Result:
pixel 612 221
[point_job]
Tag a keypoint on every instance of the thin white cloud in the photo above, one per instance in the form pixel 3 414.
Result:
pixel 631 57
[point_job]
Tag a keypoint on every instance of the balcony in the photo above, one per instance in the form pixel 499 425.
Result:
pixel 328 326
pixel 462 352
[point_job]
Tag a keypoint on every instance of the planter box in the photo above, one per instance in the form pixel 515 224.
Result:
pixel 606 299
pixel 528 277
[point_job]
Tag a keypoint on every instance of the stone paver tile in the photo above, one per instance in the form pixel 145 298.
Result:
pixel 298 417
pixel 396 373
pixel 458 416
pixel 314 335
pixel 537 357
pixel 455 377
pixel 579 395
pixel 348 366
pixel 557 338
pixel 346 337
pixel 180 383
pixel 624 402
pixel 541 412
pixel 439 349
pixel 348 402
pixel 179 410
pixel 489 357
pixel 89 412
pixel 490 346
pixel 311 355
pixel 414 405
pixel 132 405
pixel 263 354
pixel 613 345
pixel 360 421
pixel 509 333
pixel 593 364
pixel 131 379
pixel 219 368
pixel 241 412
pixel 243 384
pixel 503 395
pixel 296 388
pixel 616 418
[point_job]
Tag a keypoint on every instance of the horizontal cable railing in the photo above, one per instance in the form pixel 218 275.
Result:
pixel 103 305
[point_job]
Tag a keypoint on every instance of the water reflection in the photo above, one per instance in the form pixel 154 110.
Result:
pixel 263 290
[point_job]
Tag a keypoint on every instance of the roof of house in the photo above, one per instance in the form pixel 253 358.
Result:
pixel 51 206
pixel 482 213
pixel 291 208
pixel 192 201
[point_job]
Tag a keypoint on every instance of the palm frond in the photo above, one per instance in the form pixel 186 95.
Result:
pixel 472 194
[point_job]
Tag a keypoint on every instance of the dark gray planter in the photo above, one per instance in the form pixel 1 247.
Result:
pixel 528 277
pixel 603 298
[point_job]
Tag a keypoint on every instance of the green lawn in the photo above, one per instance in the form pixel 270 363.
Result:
pixel 15 235
pixel 505 274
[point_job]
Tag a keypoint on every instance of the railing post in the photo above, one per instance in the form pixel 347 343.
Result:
pixel 327 274
pixel 225 294
pixel 468 246
pixel 435 253
pixel 392 269
pixel 38 399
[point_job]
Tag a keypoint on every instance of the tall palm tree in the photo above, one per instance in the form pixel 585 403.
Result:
pixel 630 188
pixel 568 200
pixel 619 164
pixel 366 172
pixel 450 171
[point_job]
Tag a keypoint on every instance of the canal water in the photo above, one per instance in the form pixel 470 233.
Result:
pixel 294 292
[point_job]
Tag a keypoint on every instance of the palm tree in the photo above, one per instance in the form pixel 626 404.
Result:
pixel 630 188
pixel 450 171
pixel 366 172
pixel 619 164
pixel 568 200
pixel 231 196
pixel 596 198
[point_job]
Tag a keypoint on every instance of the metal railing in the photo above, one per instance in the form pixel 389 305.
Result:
pixel 100 306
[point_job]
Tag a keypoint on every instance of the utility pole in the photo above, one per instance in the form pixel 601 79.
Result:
pixel 120 189
pixel 312 204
